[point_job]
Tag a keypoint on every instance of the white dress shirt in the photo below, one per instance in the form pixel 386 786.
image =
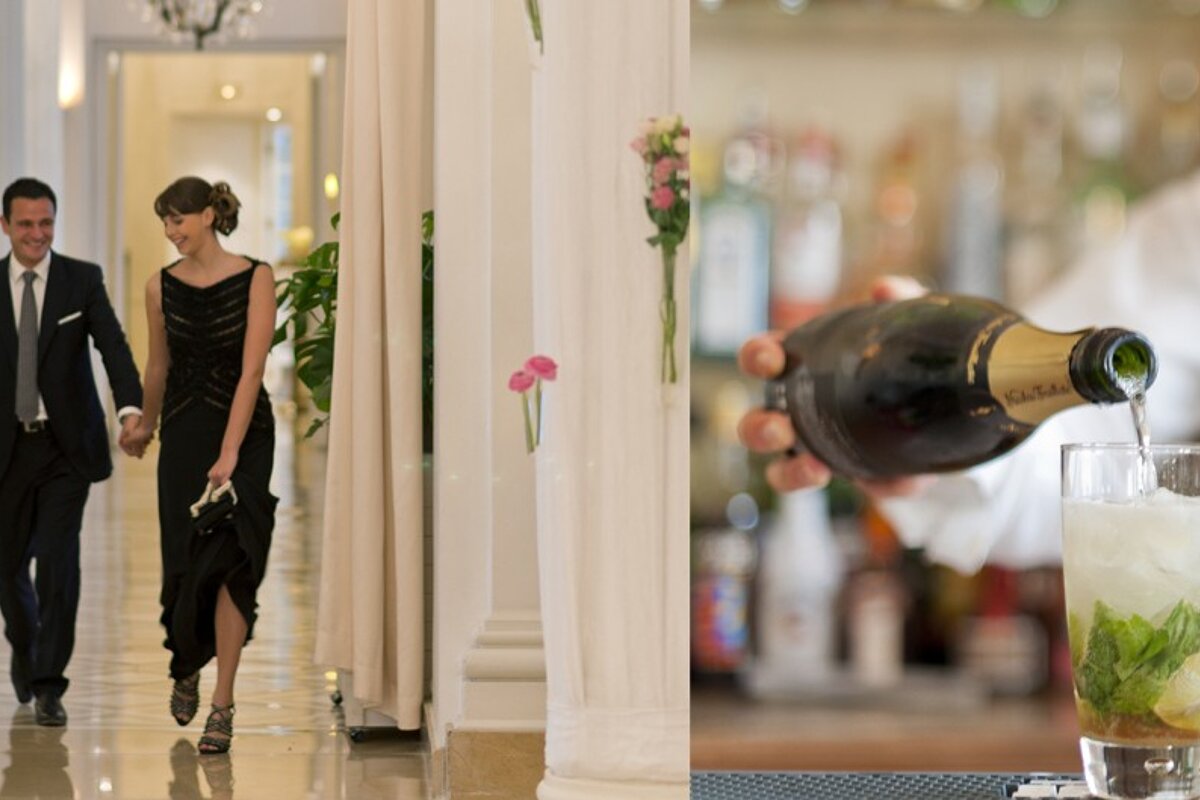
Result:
pixel 1007 511
pixel 16 285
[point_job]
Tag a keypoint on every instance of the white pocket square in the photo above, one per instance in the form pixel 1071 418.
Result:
pixel 70 317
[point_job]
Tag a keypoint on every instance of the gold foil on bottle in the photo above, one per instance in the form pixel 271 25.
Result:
pixel 982 338
pixel 1029 375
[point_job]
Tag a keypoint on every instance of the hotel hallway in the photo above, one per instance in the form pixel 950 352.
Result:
pixel 120 741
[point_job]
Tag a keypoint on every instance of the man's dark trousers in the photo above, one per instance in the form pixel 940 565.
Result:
pixel 41 501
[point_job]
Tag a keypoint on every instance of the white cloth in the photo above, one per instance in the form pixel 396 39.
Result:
pixel 612 499
pixel 1007 511
pixel 370 609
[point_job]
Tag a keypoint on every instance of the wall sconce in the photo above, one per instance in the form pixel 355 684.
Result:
pixel 72 44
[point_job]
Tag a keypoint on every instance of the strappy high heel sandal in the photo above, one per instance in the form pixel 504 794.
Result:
pixel 185 699
pixel 220 720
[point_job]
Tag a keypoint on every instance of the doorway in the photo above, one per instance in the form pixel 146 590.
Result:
pixel 266 123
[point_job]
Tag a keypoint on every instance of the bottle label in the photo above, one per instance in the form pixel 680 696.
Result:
pixel 1028 372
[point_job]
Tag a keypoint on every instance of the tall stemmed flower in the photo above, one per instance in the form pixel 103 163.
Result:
pixel 664 143
pixel 530 376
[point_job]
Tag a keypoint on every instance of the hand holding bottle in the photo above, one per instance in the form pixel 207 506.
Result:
pixel 927 384
pixel 766 431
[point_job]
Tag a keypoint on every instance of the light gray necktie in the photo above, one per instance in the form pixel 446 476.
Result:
pixel 27 392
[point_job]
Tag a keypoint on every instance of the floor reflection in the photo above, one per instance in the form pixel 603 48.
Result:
pixel 186 763
pixel 41 770
pixel 121 741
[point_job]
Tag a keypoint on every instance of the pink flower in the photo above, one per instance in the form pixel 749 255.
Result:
pixel 663 169
pixel 662 198
pixel 639 145
pixel 521 381
pixel 541 367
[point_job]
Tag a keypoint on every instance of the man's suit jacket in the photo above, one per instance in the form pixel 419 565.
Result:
pixel 74 308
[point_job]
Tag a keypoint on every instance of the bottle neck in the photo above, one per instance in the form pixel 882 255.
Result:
pixel 1111 365
pixel 1033 373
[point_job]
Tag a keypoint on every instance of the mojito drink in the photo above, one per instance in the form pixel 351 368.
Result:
pixel 1132 573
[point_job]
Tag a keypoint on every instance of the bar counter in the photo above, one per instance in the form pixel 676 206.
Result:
pixel 918 733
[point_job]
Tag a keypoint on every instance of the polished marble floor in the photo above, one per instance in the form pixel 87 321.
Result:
pixel 120 742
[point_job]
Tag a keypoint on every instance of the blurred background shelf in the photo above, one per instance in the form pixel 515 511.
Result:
pixel 979 146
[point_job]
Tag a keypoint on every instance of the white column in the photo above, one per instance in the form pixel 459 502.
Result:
pixel 613 468
pixel 12 93
pixel 43 134
pixel 488 662
pixel 504 670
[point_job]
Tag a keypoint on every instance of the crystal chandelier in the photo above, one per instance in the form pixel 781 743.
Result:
pixel 199 19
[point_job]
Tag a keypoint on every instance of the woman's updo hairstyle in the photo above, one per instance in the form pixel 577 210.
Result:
pixel 191 195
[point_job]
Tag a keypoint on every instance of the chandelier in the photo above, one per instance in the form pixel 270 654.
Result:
pixel 199 19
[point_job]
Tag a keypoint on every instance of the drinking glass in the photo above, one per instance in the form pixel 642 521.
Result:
pixel 1131 566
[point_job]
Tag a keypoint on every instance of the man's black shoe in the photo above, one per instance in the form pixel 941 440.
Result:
pixel 49 711
pixel 19 671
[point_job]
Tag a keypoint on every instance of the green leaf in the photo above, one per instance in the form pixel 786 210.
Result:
pixel 1076 639
pixel 1127 662
pixel 308 304
pixel 316 425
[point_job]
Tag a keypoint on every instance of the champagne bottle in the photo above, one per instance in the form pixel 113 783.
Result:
pixel 942 382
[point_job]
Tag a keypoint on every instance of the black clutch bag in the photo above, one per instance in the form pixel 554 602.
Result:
pixel 215 506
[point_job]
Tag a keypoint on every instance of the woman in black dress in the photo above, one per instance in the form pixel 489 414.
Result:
pixel 211 316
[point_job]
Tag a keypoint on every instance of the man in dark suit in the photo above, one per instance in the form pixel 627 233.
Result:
pixel 53 439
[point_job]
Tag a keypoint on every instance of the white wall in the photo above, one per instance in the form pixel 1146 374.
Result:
pixel 485 550
pixel 12 58
pixel 90 188
pixel 152 104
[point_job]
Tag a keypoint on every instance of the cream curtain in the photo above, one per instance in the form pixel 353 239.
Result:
pixel 612 477
pixel 370 605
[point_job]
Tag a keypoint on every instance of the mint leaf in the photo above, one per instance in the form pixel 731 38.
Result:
pixel 1126 662
pixel 1076 638
pixel 1183 631
pixel 1097 677
pixel 1137 641
pixel 1138 694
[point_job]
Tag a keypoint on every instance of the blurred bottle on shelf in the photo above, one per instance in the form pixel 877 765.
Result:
pixel 807 266
pixel 1002 646
pixel 1105 187
pixel 1041 596
pixel 730 285
pixel 975 214
pixel 897 238
pixel 1035 251
pixel 723 564
pixel 798 579
pixel 876 604
pixel 942 599
pixel 1178 119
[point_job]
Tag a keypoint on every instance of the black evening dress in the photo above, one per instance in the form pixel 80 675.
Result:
pixel 206 331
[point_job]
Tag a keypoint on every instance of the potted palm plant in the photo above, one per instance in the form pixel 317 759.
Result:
pixel 308 298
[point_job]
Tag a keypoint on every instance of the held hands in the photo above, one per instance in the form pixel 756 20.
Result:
pixel 766 431
pixel 134 436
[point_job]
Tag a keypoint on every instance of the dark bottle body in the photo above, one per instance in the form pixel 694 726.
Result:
pixel 942 382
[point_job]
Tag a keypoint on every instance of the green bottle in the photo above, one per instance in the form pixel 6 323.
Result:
pixel 942 382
